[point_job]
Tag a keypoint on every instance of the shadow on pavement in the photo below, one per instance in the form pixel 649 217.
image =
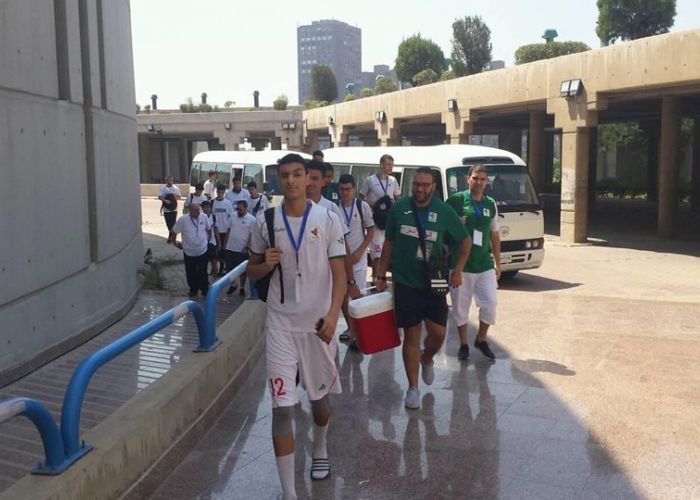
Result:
pixel 524 282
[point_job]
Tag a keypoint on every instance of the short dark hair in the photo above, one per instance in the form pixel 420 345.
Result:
pixel 198 186
pixel 253 184
pixel 477 169
pixel 347 179
pixel 329 167
pixel 242 202
pixel 221 187
pixel 316 165
pixel 292 158
pixel 385 158
pixel 318 152
pixel 426 170
pixel 205 203
pixel 211 172
pixel 237 178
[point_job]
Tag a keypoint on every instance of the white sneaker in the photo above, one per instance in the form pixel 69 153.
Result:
pixel 427 371
pixel 412 400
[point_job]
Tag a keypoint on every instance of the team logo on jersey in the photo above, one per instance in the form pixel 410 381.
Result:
pixel 432 217
pixel 487 213
pixel 323 386
pixel 315 233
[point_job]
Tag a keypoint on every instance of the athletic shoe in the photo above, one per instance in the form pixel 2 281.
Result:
pixel 231 289
pixel 345 336
pixel 427 371
pixel 320 469
pixel 412 400
pixel 483 346
pixel 463 352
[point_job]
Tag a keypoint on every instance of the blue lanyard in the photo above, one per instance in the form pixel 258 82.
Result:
pixel 296 244
pixel 196 226
pixel 478 208
pixel 421 224
pixel 385 189
pixel 352 210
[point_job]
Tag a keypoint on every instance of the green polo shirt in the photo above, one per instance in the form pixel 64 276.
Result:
pixel 480 259
pixel 439 219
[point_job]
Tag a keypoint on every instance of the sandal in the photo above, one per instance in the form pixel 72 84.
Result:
pixel 320 469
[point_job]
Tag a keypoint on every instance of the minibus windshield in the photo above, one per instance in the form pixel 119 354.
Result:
pixel 510 185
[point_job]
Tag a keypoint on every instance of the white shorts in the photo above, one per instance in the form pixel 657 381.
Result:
pixel 375 247
pixel 288 351
pixel 480 286
pixel 359 273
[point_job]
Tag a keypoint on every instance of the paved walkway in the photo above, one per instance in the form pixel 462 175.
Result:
pixel 595 395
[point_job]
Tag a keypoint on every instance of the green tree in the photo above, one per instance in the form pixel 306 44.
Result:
pixel 538 51
pixel 229 104
pixel 448 74
pixel 324 86
pixel 415 55
pixel 471 45
pixel 383 86
pixel 425 77
pixel 348 97
pixel 366 92
pixel 632 19
pixel 280 103
pixel 147 108
pixel 311 104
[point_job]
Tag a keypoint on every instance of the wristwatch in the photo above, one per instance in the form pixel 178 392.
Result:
pixel 352 282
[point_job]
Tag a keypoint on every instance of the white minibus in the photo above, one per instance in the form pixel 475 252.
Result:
pixel 258 166
pixel 519 209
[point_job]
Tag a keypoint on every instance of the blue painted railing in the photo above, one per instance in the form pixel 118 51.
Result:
pixel 63 448
pixel 211 340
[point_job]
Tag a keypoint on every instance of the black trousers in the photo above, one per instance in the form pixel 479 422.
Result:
pixel 170 218
pixel 196 272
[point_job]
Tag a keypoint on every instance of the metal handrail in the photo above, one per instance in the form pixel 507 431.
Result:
pixel 55 456
pixel 211 341
pixel 73 400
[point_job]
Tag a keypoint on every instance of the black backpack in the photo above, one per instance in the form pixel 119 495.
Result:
pixel 380 211
pixel 262 286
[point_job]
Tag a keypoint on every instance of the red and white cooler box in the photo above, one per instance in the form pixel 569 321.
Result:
pixel 375 324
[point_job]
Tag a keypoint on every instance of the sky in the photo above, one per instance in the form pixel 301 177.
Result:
pixel 229 48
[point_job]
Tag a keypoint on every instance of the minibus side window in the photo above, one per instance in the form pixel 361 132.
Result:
pixel 253 172
pixel 195 173
pixel 271 180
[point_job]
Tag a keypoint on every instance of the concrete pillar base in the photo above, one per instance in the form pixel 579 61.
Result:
pixel 574 184
pixel 669 167
pixel 536 150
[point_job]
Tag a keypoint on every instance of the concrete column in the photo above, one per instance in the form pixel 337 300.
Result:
pixel 388 133
pixel 548 157
pixel 339 137
pixel 695 168
pixel 574 184
pixel 592 163
pixel 669 167
pixel 312 141
pixel 652 129
pixel 184 160
pixel 536 150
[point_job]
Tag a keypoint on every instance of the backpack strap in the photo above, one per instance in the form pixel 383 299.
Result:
pixel 362 217
pixel 270 222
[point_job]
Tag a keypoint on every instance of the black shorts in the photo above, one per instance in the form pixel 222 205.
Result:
pixel 233 259
pixel 413 305
pixel 211 251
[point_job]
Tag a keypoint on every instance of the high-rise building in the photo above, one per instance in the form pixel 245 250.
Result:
pixel 335 44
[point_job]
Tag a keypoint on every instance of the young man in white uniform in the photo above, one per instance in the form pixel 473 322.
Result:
pixel 212 253
pixel 239 242
pixel 223 211
pixel 257 203
pixel 169 212
pixel 374 188
pixel 210 185
pixel 357 215
pixel 310 248
pixel 196 232
pixel 237 193
pixel 196 197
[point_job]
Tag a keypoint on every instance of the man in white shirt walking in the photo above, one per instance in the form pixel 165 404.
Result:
pixel 196 233
pixel 258 201
pixel 357 215
pixel 223 211
pixel 210 185
pixel 237 193
pixel 301 314
pixel 196 197
pixel 169 196
pixel 239 242
pixel 380 191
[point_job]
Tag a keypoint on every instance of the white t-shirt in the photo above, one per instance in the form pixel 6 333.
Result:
pixel 193 198
pixel 307 296
pixel 233 197
pixel 223 211
pixel 373 188
pixel 212 223
pixel 241 227
pixel 329 205
pixel 357 233
pixel 209 190
pixel 194 234
pixel 164 190
pixel 253 202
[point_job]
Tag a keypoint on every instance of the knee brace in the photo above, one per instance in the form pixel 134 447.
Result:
pixel 282 421
pixel 321 406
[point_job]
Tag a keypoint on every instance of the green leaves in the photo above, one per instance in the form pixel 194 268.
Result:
pixel 415 55
pixel 538 51
pixel 632 19
pixel 471 46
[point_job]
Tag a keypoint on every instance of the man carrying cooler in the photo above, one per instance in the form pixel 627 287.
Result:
pixel 481 273
pixel 413 252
